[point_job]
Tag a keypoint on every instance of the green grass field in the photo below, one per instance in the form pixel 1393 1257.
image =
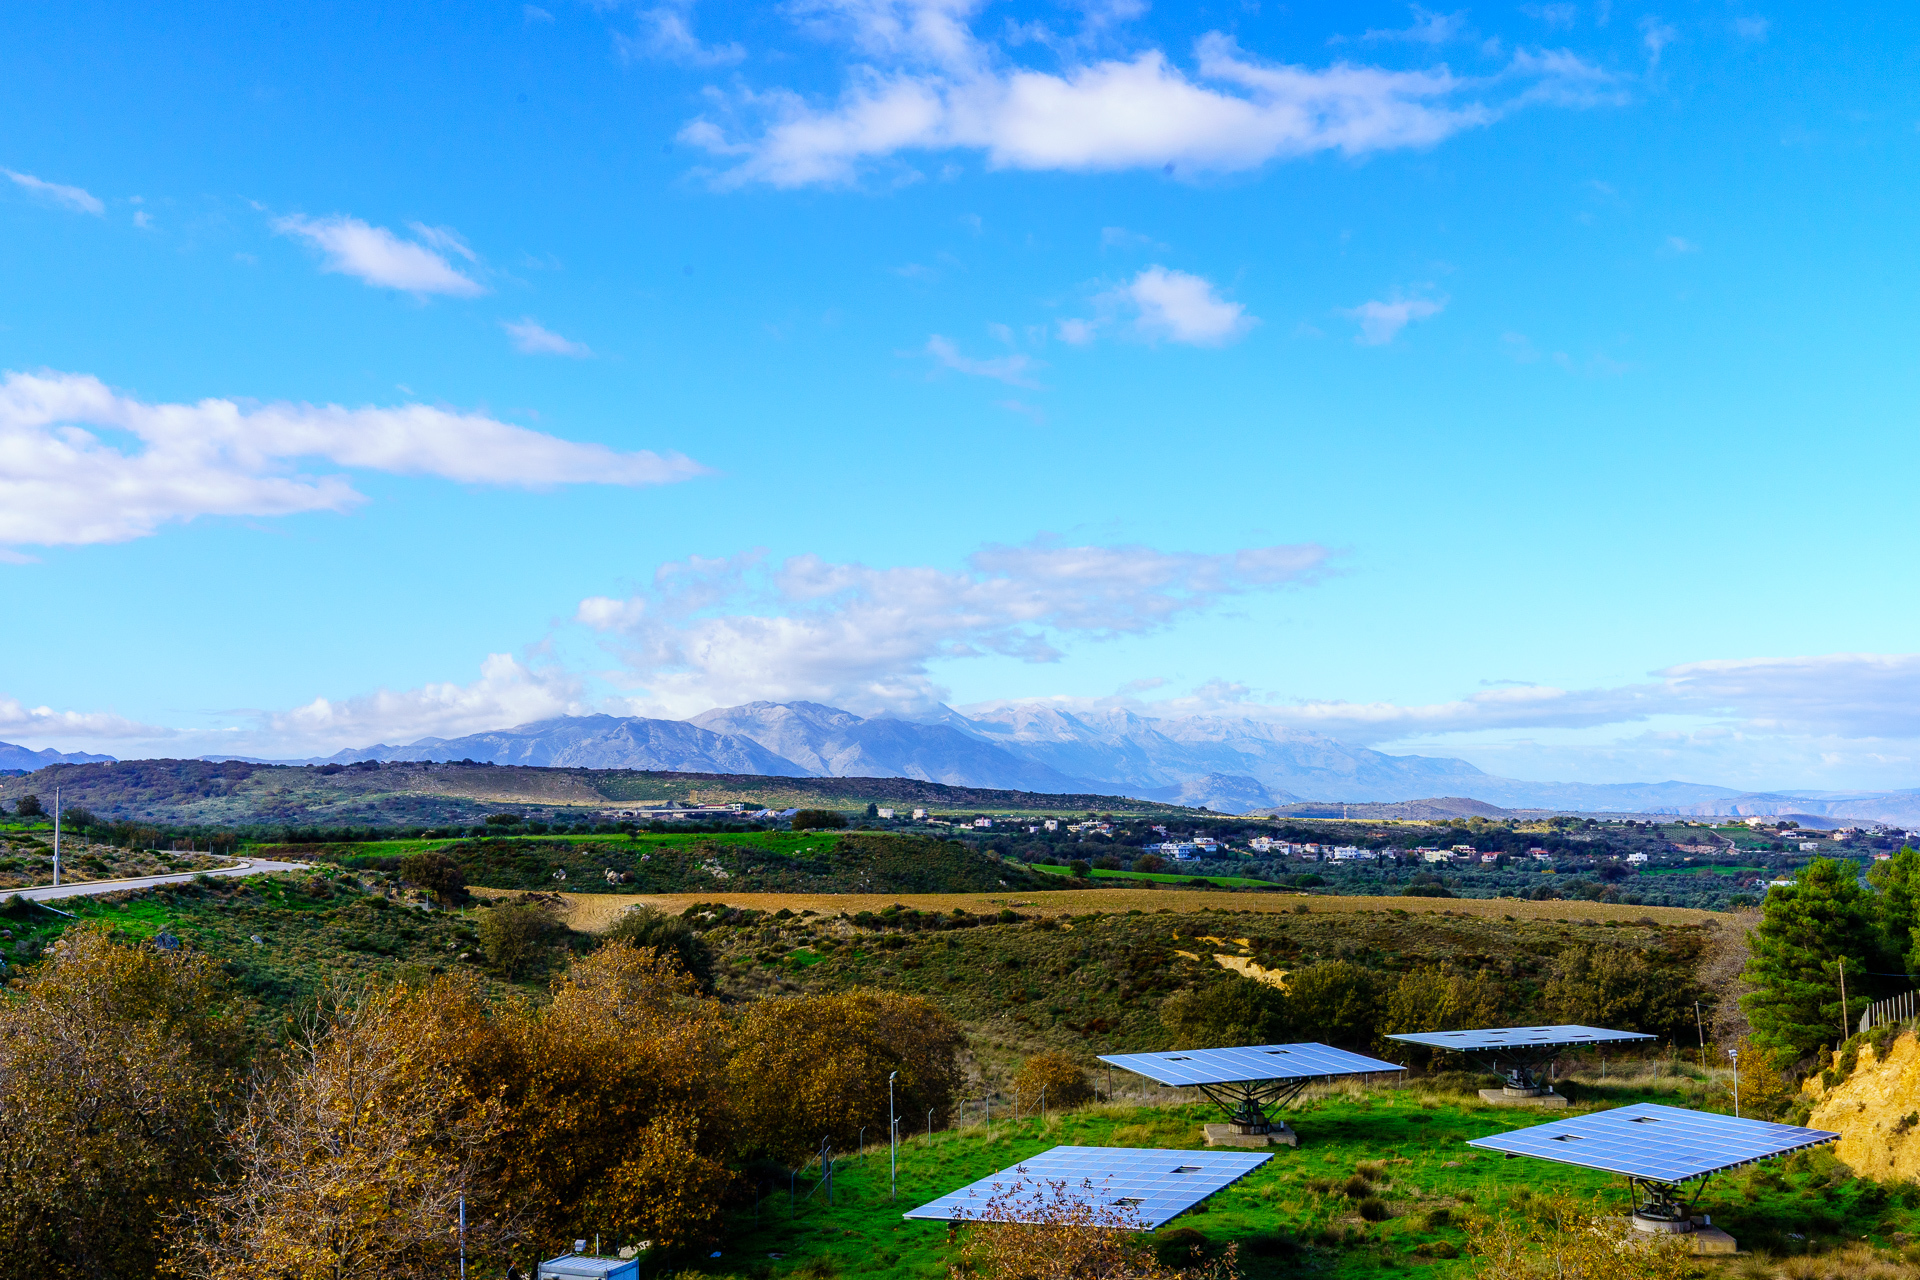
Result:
pixel 1295 1214
pixel 1157 877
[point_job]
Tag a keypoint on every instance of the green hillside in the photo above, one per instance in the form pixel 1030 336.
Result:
pixel 232 794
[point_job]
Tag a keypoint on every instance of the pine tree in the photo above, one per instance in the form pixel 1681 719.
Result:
pixel 1805 931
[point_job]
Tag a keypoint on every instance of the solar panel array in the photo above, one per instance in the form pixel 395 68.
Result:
pixel 1240 1066
pixel 1152 1187
pixel 1659 1144
pixel 1488 1038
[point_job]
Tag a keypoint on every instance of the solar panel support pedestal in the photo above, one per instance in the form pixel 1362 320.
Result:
pixel 1233 1135
pixel 1535 1096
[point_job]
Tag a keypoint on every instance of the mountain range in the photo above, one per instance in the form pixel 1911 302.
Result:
pixel 1229 765
pixel 1221 763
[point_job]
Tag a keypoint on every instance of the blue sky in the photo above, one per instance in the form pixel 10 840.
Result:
pixel 1528 384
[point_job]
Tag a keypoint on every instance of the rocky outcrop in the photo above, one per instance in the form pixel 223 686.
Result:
pixel 1876 1111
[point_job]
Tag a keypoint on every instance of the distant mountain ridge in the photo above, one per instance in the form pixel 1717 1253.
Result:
pixel 13 757
pixel 1221 763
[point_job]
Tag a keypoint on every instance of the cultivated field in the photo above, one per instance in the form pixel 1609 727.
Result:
pixel 592 912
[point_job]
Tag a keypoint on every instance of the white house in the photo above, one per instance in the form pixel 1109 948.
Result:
pixel 1636 857
pixel 983 822
pixel 919 815
pixel 1051 824
pixel 886 813
pixel 1264 844
pixel 1351 853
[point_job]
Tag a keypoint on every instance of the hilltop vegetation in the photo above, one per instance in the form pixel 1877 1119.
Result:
pixel 259 798
pixel 776 862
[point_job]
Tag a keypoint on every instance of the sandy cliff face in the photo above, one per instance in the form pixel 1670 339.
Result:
pixel 1870 1110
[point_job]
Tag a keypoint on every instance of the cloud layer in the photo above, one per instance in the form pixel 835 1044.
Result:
pixel 78 199
pixel 714 632
pixel 81 463
pixel 923 81
pixel 381 258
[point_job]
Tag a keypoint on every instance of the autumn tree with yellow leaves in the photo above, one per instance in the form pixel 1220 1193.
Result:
pixel 115 1064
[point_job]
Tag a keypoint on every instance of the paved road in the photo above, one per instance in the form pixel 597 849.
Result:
pixel 85 888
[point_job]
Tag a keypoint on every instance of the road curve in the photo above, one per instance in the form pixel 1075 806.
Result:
pixel 87 888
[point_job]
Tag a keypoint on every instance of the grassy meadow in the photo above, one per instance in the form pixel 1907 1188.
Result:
pixel 1298 1213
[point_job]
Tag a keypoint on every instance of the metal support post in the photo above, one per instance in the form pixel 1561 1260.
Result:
pixel 893 1143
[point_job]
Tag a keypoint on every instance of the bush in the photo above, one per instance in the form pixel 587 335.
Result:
pixel 668 935
pixel 818 820
pixel 1374 1209
pixel 438 874
pixel 503 819
pixel 1080 868
pixel 514 933
pixel 1107 862
pixel 1063 1079
pixel 1149 862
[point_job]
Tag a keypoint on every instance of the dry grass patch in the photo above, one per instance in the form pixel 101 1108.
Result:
pixel 591 912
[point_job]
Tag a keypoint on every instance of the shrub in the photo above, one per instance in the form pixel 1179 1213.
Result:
pixel 1374 1209
pixel 1149 862
pixel 513 933
pixel 1080 868
pixel 438 874
pixel 1357 1188
pixel 818 820
pixel 669 935
pixel 1064 1080
pixel 1107 862
pixel 503 819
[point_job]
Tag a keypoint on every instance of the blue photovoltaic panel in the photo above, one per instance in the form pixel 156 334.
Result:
pixel 1660 1144
pixel 1239 1066
pixel 1154 1186
pixel 1519 1037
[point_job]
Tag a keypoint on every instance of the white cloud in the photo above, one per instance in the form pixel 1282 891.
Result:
pixel 507 693
pixel 534 13
pixel 444 238
pixel 79 199
pixel 37 724
pixel 1015 370
pixel 1077 333
pixel 1181 307
pixel 925 82
pixel 719 632
pixel 379 257
pixel 1381 321
pixel 1656 35
pixel 81 463
pixel 1427 27
pixel 531 338
pixel 666 32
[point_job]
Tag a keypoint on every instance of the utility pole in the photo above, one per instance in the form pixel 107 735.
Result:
pixel 1700 1026
pixel 463 1237
pixel 56 836
pixel 1735 1055
pixel 1843 962
pixel 893 1143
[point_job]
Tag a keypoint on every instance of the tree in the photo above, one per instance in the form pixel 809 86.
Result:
pixel 1149 862
pixel 1898 881
pixel 818 820
pixel 29 806
pixel 1226 1014
pixel 503 819
pixel 1806 930
pixel 1336 1000
pixel 654 930
pixel 873 810
pixel 438 874
pixel 115 1063
pixel 615 1113
pixel 1616 987
pixel 1062 1080
pixel 1080 868
pixel 1443 999
pixel 512 934
pixel 817 1066
pixel 350 1164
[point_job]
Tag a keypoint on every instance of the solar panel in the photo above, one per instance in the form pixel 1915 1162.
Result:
pixel 1489 1039
pixel 1256 1062
pixel 1151 1186
pixel 1655 1143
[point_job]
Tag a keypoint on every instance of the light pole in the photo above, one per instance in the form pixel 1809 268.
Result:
pixel 893 1143
pixel 1735 1055
pixel 56 835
